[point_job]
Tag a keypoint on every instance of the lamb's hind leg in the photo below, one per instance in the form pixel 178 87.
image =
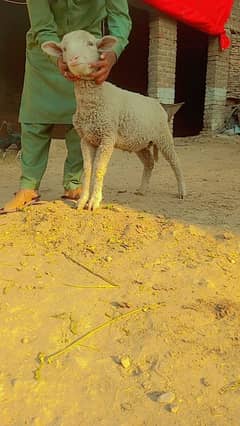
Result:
pixel 146 157
pixel 167 148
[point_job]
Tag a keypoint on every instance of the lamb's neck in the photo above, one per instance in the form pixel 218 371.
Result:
pixel 88 93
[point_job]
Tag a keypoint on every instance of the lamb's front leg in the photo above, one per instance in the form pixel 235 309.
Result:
pixel 88 153
pixel 103 155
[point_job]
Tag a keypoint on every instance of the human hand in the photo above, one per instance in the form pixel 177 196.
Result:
pixel 103 66
pixel 63 68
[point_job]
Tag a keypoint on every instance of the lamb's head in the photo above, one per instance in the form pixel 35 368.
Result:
pixel 79 49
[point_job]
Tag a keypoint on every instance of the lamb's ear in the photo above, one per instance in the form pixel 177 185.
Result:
pixel 52 48
pixel 106 43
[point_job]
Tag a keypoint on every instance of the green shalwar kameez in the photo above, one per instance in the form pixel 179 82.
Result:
pixel 48 98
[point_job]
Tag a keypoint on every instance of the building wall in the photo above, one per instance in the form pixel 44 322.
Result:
pixel 233 89
pixel 222 77
pixel 234 22
pixel 222 74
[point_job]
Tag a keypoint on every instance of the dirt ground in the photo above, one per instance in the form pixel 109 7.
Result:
pixel 129 315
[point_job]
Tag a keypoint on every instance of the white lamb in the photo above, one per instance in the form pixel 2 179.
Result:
pixel 108 117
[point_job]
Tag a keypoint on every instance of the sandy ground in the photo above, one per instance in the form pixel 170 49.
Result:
pixel 129 315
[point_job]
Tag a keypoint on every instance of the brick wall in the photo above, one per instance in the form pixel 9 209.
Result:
pixel 216 86
pixel 162 57
pixel 233 89
pixel 222 74
pixel 233 24
pixel 234 20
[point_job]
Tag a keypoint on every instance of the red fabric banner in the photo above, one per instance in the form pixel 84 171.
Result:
pixel 208 16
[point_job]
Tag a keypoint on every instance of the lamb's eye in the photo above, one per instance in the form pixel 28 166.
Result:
pixel 90 43
pixel 64 49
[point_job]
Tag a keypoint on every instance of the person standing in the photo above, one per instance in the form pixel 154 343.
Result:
pixel 48 94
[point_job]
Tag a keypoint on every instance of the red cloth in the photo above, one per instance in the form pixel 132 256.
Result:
pixel 208 16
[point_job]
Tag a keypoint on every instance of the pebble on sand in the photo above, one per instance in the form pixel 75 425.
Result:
pixel 166 398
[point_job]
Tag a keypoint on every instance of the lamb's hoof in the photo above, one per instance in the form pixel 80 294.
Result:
pixel 93 204
pixel 182 195
pixel 81 204
pixel 140 192
pixel 77 207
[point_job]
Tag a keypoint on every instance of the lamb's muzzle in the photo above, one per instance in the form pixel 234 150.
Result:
pixel 108 117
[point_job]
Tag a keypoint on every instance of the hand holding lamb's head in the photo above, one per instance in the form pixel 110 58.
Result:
pixel 79 50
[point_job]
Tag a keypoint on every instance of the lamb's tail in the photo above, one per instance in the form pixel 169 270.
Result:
pixel 171 110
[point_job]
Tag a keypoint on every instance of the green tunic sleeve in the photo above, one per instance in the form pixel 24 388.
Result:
pixel 119 23
pixel 43 26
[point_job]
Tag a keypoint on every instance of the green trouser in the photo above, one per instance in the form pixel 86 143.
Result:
pixel 36 139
